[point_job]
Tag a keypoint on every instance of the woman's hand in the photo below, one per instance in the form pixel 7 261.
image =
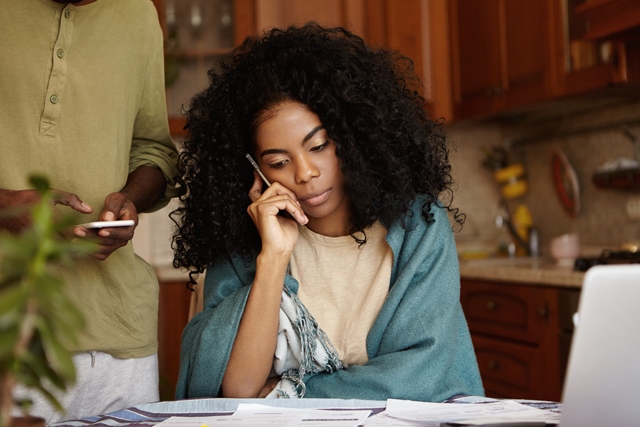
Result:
pixel 269 386
pixel 279 233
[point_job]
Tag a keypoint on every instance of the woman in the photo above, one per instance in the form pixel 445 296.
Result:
pixel 336 275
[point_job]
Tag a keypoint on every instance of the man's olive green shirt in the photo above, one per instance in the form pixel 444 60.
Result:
pixel 82 101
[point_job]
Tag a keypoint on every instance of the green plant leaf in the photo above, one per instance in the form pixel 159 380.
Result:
pixel 58 358
pixel 8 339
pixel 11 299
pixel 39 182
pixel 31 290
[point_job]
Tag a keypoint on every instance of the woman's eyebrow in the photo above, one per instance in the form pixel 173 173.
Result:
pixel 310 134
pixel 304 141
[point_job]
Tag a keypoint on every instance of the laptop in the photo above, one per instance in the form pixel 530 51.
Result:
pixel 602 385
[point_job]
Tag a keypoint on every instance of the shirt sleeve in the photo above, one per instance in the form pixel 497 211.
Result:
pixel 152 144
pixel 419 346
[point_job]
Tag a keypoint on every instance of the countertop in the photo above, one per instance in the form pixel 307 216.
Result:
pixel 543 271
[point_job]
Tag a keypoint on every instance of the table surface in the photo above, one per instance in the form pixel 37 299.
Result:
pixel 152 413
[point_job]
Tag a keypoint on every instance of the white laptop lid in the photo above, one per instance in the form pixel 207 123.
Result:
pixel 602 386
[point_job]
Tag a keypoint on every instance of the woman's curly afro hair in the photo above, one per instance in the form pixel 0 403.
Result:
pixel 369 101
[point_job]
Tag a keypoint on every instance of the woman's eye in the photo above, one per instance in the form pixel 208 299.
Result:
pixel 277 165
pixel 320 147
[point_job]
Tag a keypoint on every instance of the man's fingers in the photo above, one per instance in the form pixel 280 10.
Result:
pixel 71 200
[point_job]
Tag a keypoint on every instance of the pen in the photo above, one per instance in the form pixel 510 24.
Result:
pixel 266 181
pixel 257 168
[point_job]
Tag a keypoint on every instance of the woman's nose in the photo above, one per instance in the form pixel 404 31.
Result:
pixel 306 170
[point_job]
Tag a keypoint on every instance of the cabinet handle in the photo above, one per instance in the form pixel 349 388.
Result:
pixel 491 305
pixel 494 364
pixel 542 311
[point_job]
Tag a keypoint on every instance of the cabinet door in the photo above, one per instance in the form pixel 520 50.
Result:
pixel 585 63
pixel 477 55
pixel 521 334
pixel 529 37
pixel 509 370
pixel 502 54
pixel 173 315
pixel 518 313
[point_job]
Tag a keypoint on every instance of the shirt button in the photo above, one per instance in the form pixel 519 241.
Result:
pixel 60 53
pixel 67 13
pixel 54 99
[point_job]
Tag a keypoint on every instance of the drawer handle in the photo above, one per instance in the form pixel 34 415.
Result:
pixel 491 305
pixel 494 364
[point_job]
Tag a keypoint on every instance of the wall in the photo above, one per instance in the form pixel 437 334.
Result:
pixel 602 221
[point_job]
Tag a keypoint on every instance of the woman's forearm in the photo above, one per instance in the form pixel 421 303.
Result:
pixel 254 347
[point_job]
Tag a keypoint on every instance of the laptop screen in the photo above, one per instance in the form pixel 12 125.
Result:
pixel 602 386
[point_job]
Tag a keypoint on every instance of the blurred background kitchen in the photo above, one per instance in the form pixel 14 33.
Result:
pixel 541 101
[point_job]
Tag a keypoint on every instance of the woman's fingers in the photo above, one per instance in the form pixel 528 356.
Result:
pixel 256 189
pixel 272 205
pixel 275 196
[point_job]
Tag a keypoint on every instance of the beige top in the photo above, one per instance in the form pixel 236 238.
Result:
pixel 343 286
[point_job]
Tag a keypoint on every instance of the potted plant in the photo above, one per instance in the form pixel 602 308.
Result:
pixel 36 317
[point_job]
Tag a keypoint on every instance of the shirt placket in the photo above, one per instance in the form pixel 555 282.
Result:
pixel 54 97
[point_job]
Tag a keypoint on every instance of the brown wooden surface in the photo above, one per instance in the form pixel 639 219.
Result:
pixel 610 18
pixel 519 334
pixel 502 54
pixel 510 54
pixel 173 314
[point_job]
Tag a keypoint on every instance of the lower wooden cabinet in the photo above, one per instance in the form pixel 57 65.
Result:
pixel 521 334
pixel 173 315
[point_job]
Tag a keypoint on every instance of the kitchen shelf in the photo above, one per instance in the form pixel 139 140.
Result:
pixel 610 18
pixel 628 179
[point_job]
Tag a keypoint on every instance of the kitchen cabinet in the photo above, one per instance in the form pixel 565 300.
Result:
pixel 501 50
pixel 509 55
pixel 173 315
pixel 585 63
pixel 417 28
pixel 521 334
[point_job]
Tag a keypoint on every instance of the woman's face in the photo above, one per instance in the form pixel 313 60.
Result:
pixel 292 148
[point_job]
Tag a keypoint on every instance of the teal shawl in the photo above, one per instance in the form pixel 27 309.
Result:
pixel 419 346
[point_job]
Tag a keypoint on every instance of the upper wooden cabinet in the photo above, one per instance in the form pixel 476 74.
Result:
pixel 417 28
pixel 501 51
pixel 508 54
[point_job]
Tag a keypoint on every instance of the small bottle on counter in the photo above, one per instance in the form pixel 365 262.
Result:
pixel 534 242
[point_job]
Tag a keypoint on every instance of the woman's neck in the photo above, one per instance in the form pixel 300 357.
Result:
pixel 335 225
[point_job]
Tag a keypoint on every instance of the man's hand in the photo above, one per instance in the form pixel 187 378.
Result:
pixel 24 198
pixel 143 188
pixel 117 207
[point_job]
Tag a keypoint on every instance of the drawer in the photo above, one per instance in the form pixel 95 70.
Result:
pixel 509 370
pixel 511 311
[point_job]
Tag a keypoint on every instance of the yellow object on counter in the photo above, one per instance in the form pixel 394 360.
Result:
pixel 522 221
pixel 510 173
pixel 513 181
pixel 514 189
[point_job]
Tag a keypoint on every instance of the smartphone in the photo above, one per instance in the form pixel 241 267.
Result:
pixel 105 224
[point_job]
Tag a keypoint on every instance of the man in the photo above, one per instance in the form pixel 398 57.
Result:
pixel 83 103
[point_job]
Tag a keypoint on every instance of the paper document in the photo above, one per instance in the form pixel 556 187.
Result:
pixel 506 412
pixel 255 415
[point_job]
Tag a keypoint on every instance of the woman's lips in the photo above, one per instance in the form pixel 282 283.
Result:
pixel 316 199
